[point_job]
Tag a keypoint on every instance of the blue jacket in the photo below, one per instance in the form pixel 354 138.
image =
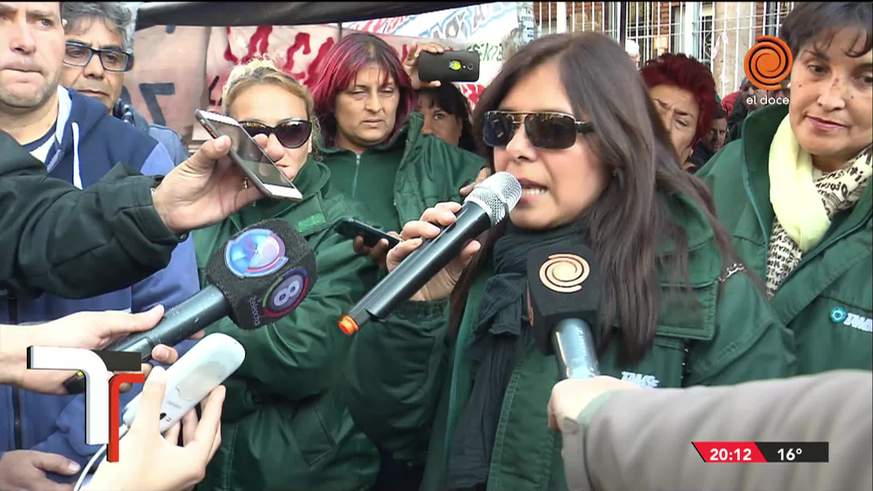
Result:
pixel 88 143
pixel 164 135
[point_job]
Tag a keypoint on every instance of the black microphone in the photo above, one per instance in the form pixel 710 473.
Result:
pixel 564 298
pixel 259 275
pixel 488 204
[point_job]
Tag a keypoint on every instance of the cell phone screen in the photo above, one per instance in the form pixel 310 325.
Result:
pixel 250 155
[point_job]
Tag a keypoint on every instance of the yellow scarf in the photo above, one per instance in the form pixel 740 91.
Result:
pixel 795 200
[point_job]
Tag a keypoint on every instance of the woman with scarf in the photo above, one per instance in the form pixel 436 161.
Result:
pixel 570 117
pixel 795 191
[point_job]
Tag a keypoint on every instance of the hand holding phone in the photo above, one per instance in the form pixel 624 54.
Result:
pixel 247 154
pixel 351 228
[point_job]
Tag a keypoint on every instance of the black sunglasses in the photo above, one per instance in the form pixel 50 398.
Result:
pixel 549 130
pixel 113 59
pixel 291 133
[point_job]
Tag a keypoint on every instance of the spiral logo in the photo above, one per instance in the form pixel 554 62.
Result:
pixel 564 273
pixel 768 63
pixel 288 294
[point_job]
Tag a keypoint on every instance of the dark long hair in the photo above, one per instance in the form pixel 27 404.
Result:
pixel 631 218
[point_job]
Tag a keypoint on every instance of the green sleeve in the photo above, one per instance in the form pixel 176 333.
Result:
pixel 750 343
pixel 71 242
pixel 396 370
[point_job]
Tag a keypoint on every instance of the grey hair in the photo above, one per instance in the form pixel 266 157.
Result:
pixel 117 16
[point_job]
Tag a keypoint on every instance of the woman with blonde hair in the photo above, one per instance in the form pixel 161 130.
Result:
pixel 284 425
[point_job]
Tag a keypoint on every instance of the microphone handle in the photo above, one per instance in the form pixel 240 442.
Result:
pixel 574 348
pixel 420 266
pixel 205 307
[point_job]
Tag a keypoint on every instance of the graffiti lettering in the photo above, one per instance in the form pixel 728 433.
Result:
pixel 488 51
pixel 379 26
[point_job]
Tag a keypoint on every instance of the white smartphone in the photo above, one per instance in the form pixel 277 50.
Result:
pixel 246 153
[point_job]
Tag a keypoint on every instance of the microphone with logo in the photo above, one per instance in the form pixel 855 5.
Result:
pixel 564 298
pixel 258 276
pixel 487 205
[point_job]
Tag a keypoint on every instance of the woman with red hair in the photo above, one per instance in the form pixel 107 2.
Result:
pixel 684 94
pixel 372 138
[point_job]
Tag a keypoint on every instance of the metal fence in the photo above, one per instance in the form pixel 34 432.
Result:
pixel 716 33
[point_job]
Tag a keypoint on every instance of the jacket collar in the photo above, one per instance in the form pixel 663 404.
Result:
pixel 758 130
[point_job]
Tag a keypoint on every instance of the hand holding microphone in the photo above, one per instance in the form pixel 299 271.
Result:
pixel 258 276
pixel 487 205
pixel 414 233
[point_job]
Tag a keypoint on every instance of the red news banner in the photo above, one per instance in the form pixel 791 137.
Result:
pixel 761 452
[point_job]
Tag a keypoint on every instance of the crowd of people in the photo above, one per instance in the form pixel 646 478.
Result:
pixel 734 240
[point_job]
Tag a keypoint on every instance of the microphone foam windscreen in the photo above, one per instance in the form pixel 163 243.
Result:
pixel 264 272
pixel 563 283
pixel 497 195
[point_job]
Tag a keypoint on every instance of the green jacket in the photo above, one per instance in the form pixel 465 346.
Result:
pixel 828 300
pixel 410 381
pixel 424 171
pixel 284 425
pixel 111 233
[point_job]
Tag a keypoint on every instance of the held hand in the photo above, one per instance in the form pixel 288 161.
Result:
pixel 180 467
pixel 410 64
pixel 483 174
pixel 91 330
pixel 571 396
pixel 378 252
pixel 26 470
pixel 432 221
pixel 206 188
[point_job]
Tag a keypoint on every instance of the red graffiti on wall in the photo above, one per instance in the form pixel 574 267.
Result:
pixel 301 40
pixel 312 73
pixel 472 92
pixel 259 42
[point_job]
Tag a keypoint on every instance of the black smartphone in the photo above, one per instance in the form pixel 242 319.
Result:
pixel 246 153
pixel 351 228
pixel 449 66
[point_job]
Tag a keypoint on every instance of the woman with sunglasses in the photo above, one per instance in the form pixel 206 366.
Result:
pixel 570 117
pixel 795 190
pixel 284 426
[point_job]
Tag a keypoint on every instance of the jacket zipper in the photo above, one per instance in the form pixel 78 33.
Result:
pixel 355 179
pixel 16 400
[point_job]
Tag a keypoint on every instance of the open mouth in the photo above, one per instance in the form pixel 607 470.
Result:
pixel 530 188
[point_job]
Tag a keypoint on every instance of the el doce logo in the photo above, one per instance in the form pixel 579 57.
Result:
pixel 768 63
pixel 564 273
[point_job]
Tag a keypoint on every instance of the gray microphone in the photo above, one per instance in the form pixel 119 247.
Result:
pixel 487 205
